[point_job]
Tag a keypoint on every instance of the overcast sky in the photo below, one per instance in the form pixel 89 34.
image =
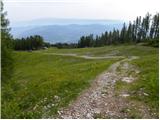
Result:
pixel 24 10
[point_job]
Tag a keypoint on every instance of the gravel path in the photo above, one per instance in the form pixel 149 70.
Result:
pixel 101 101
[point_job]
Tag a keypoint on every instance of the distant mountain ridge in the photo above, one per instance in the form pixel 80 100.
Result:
pixel 58 21
pixel 63 30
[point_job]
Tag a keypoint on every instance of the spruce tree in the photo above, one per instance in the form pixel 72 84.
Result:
pixel 6 48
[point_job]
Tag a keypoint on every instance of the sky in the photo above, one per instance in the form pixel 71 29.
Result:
pixel 26 10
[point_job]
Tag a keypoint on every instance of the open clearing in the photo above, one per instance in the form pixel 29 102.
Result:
pixel 104 82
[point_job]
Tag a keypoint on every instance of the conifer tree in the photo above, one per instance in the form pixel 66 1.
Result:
pixel 6 48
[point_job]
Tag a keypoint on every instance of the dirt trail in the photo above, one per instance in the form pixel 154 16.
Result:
pixel 101 101
pixel 85 56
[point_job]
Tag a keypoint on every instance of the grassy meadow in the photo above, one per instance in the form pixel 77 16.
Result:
pixel 43 83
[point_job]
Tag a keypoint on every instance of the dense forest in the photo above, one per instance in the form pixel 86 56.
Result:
pixel 30 43
pixel 144 30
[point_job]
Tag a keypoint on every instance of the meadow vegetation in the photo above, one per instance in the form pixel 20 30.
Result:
pixel 44 83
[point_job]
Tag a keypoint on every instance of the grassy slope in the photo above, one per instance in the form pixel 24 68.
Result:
pixel 125 50
pixel 149 78
pixel 148 82
pixel 41 76
pixel 38 78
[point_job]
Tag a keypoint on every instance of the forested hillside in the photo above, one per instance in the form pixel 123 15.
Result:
pixel 141 30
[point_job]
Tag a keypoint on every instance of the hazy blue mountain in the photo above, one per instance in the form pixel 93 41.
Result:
pixel 56 21
pixel 63 30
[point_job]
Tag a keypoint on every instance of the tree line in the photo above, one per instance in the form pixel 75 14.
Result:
pixel 65 45
pixel 30 43
pixel 144 30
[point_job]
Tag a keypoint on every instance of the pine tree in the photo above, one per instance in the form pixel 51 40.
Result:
pixel 6 48
pixel 154 31
pixel 106 38
pixel 156 22
pixel 145 26
pixel 129 33
pixel 123 34
pixel 134 32
pixel 139 29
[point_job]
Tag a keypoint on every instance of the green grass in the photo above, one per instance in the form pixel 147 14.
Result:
pixel 39 78
pixel 148 81
pixel 120 50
